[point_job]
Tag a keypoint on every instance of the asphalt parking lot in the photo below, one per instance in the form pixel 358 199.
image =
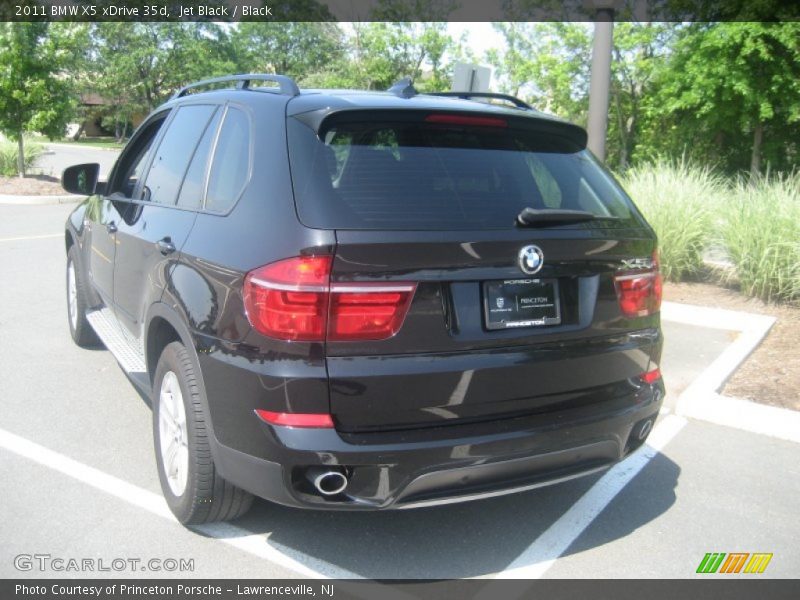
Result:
pixel 58 157
pixel 76 459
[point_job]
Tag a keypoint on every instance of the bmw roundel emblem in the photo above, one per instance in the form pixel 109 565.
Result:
pixel 531 259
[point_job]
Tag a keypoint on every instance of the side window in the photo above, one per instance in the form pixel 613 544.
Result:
pixel 133 160
pixel 191 194
pixel 172 157
pixel 231 166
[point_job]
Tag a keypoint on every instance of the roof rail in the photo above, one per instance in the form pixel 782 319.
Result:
pixel 286 84
pixel 468 95
pixel 403 88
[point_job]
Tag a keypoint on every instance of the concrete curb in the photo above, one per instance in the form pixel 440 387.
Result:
pixel 741 414
pixel 702 400
pixel 39 200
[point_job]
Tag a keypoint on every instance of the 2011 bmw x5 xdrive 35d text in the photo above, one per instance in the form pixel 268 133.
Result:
pixel 367 300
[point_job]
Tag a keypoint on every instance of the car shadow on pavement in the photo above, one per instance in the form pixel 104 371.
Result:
pixel 144 397
pixel 460 540
pixel 644 498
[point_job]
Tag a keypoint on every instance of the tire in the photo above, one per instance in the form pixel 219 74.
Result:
pixel 194 491
pixel 79 328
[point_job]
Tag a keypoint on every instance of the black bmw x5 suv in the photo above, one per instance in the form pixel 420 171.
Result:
pixel 362 300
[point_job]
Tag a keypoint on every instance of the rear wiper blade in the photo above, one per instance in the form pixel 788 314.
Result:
pixel 544 217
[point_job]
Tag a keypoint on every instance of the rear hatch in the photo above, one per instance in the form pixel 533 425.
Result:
pixel 507 318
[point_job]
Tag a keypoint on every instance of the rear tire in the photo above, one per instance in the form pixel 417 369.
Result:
pixel 79 328
pixel 194 491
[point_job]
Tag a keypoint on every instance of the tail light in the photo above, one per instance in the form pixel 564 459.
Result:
pixel 293 299
pixel 368 312
pixel 639 290
pixel 288 300
pixel 651 376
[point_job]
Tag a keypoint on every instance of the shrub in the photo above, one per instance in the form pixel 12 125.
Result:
pixel 761 235
pixel 8 157
pixel 679 201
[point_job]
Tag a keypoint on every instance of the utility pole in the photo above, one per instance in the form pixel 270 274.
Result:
pixel 600 82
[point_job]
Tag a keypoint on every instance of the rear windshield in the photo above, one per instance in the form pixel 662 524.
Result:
pixel 420 176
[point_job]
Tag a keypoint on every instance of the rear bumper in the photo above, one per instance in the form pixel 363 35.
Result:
pixel 425 467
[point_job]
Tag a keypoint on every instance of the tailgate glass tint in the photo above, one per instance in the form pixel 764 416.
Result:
pixel 413 174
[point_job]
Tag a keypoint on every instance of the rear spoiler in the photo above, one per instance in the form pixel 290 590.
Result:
pixel 320 119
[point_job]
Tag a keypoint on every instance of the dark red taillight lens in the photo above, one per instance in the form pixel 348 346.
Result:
pixel 288 300
pixel 639 291
pixel 368 312
pixel 293 299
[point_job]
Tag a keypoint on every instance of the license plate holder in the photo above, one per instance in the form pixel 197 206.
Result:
pixel 520 303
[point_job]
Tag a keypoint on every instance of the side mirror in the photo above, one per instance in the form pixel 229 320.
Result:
pixel 82 179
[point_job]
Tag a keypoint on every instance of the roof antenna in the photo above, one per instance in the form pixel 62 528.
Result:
pixel 403 88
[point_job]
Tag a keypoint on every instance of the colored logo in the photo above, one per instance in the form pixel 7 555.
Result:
pixel 530 259
pixel 734 562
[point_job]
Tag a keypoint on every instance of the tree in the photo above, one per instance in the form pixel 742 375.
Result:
pixel 549 64
pixel 136 66
pixel 388 51
pixel 733 90
pixel 296 49
pixel 377 54
pixel 638 52
pixel 35 96
pixel 416 41
pixel 405 38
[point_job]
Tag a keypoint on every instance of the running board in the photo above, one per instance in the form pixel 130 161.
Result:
pixel 125 349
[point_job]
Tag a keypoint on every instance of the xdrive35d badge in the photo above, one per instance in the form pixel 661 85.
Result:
pixel 531 259
pixel 282 272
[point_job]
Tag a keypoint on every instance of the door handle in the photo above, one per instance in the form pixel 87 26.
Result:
pixel 111 227
pixel 165 246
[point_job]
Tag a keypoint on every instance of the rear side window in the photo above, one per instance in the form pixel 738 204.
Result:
pixel 412 174
pixel 174 153
pixel 231 167
pixel 191 194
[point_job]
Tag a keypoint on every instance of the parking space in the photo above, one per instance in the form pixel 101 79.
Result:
pixel 76 456
pixel 63 517
pixel 688 351
pixel 713 489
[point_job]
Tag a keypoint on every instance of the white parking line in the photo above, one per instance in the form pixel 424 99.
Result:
pixel 32 237
pixel 226 533
pixel 535 560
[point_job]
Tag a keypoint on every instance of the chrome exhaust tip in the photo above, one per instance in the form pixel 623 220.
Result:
pixel 326 481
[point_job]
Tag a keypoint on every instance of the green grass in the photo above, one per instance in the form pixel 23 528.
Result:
pixel 8 157
pixel 95 142
pixel 761 234
pixel 757 225
pixel 679 201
